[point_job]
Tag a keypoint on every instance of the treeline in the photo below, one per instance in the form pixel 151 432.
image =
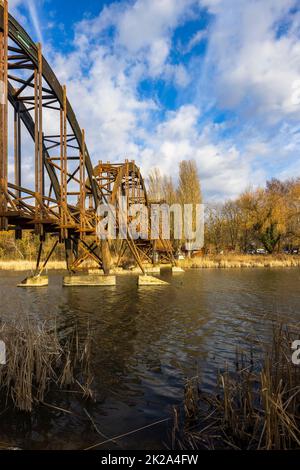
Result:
pixel 266 218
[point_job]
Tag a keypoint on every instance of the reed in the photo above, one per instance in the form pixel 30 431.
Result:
pixel 255 407
pixel 39 359
pixel 240 261
pixel 205 262
pixel 25 265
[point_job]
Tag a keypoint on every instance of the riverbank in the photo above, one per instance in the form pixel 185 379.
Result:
pixel 205 262
pixel 241 261
pixel 23 265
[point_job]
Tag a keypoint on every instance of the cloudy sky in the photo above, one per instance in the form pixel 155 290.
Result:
pixel 159 81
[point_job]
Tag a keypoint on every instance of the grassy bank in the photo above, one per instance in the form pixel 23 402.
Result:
pixel 241 261
pixel 23 265
pixel 205 262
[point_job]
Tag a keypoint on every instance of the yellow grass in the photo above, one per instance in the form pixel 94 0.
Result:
pixel 21 265
pixel 219 261
pixel 241 261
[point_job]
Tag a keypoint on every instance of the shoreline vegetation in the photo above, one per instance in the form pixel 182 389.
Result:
pixel 255 406
pixel 204 262
pixel 240 261
pixel 27 265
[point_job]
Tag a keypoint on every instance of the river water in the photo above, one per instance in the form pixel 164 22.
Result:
pixel 146 342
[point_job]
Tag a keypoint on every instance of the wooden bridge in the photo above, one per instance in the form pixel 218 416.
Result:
pixel 62 194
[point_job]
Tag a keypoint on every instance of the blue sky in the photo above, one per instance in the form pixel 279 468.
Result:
pixel 159 81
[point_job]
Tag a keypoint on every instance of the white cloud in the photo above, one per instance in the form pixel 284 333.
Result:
pixel 143 29
pixel 249 64
pixel 247 69
pixel 120 124
pixel 177 74
pixel 34 22
pixel 196 39
pixel 33 12
pixel 148 21
pixel 221 167
pixel 14 3
pixel 106 97
pixel 14 10
pixel 105 102
pixel 157 57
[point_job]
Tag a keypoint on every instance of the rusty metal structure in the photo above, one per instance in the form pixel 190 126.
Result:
pixel 62 196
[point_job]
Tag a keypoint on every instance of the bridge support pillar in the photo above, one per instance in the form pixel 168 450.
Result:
pixel 89 280
pixel 35 281
pixel 151 281
pixel 106 256
pixel 177 270
pixel 69 253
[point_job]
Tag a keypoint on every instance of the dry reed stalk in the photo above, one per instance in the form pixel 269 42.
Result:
pixel 38 360
pixel 255 407
pixel 240 261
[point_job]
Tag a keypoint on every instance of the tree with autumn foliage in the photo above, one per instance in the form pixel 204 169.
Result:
pixel 267 217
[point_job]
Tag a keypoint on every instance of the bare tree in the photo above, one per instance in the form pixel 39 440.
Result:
pixel 169 191
pixel 189 190
pixel 155 186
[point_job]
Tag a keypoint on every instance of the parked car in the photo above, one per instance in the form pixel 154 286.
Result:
pixel 261 251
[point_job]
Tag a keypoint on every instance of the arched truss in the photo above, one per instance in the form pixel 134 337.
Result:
pixel 61 160
pixel 65 190
pixel 125 180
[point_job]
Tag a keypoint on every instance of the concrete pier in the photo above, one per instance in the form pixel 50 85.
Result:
pixel 95 280
pixel 35 281
pixel 177 270
pixel 151 281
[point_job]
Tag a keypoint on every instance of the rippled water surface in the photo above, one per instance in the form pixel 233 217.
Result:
pixel 147 341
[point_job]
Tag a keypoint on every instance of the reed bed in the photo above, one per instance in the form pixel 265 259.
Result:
pixel 256 407
pixel 39 359
pixel 26 265
pixel 23 265
pixel 205 262
pixel 241 261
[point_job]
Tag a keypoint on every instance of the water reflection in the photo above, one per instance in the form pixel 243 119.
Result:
pixel 146 342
